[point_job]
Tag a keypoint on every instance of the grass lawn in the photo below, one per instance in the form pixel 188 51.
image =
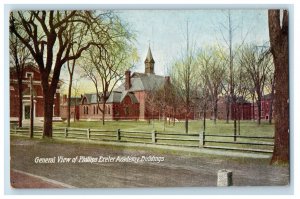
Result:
pixel 249 128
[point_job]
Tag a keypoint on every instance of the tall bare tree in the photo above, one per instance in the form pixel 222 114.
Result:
pixel 229 56
pixel 213 73
pixel 46 35
pixel 107 66
pixel 19 58
pixel 257 62
pixel 76 34
pixel 279 37
pixel 185 81
pixel 184 78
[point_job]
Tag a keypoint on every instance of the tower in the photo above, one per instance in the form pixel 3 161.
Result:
pixel 149 62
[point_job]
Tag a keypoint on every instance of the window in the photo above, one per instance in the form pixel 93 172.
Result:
pixel 94 110
pixel 87 110
pixel 28 74
pixel 108 109
pixel 126 111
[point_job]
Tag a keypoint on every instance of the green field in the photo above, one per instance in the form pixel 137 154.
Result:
pixel 249 128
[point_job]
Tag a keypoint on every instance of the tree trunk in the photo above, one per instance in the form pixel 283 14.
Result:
pixel 253 108
pixel 48 113
pixel 174 116
pixel 227 111
pixel 103 113
pixel 20 91
pixel 258 110
pixel 69 99
pixel 71 72
pixel 31 109
pixel 187 118
pixel 215 111
pixel 186 124
pixel 204 119
pixel 239 120
pixel 279 48
pixel 234 122
pixel 271 103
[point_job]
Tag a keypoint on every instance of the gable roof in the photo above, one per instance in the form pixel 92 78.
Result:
pixel 114 97
pixel 143 82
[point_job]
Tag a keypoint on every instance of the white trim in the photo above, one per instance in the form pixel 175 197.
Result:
pixel 29 73
pixel 27 103
pixel 34 82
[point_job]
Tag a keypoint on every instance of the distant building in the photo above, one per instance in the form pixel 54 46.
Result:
pixel 265 107
pixel 30 71
pixel 242 107
pixel 74 108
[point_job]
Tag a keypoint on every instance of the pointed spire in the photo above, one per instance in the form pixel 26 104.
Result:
pixel 149 58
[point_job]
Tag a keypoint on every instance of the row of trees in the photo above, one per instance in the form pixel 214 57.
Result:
pixel 200 79
pixel 244 70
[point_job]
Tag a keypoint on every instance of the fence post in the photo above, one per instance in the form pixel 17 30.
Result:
pixel 88 132
pixel 201 139
pixel 118 135
pixel 66 132
pixel 154 137
pixel 224 178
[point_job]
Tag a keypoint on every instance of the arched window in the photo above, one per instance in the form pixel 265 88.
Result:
pixel 108 109
pixel 84 110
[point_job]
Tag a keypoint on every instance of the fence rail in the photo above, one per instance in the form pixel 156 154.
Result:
pixel 215 141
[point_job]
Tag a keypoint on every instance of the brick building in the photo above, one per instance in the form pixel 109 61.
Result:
pixel 120 105
pixel 30 71
pixel 265 107
pixel 74 108
pixel 243 109
pixel 130 99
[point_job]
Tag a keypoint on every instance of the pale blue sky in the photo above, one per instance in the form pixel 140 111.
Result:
pixel 166 30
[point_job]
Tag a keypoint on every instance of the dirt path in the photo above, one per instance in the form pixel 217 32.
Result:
pixel 176 170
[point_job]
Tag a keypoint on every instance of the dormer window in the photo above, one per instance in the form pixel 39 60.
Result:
pixel 28 74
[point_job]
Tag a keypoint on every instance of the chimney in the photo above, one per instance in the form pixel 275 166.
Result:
pixel 127 80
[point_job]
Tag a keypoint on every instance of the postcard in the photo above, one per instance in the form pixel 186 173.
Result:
pixel 149 98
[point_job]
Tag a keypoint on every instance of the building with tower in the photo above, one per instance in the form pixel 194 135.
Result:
pixel 130 100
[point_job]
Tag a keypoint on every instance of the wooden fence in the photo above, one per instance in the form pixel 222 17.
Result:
pixel 263 144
